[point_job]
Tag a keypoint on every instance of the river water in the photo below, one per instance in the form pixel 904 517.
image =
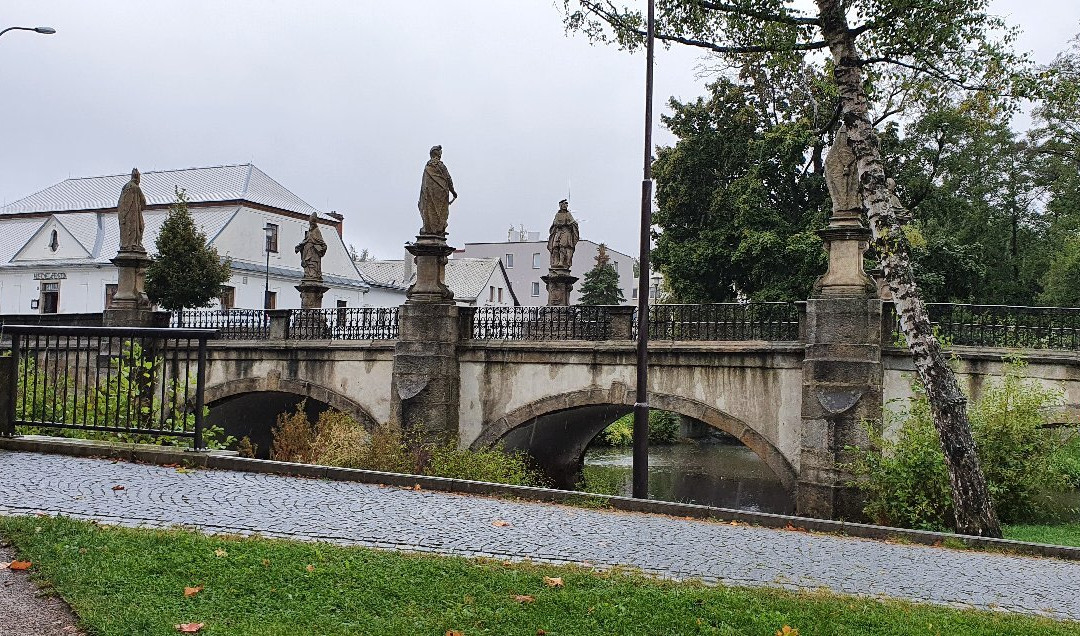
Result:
pixel 709 473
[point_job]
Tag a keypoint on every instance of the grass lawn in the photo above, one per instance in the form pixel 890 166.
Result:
pixel 123 581
pixel 1059 534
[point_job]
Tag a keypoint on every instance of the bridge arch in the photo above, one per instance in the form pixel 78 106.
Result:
pixel 242 386
pixel 494 431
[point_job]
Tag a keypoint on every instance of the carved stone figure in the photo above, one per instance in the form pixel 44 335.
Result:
pixel 903 215
pixel 129 210
pixel 842 176
pixel 563 238
pixel 312 249
pixel 435 190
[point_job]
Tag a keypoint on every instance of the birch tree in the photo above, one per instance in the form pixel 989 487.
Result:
pixel 881 53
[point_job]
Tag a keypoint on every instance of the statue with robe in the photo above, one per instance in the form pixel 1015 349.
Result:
pixel 435 190
pixel 312 249
pixel 129 211
pixel 563 238
pixel 842 175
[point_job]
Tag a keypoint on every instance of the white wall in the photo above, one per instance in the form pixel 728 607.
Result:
pixel 83 291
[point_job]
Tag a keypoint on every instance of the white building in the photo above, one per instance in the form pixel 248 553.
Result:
pixel 55 245
pixel 476 282
pixel 526 257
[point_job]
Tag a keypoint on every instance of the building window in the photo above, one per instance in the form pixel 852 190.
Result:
pixel 272 238
pixel 54 241
pixel 500 294
pixel 227 297
pixel 536 289
pixel 271 300
pixel 634 294
pixel 110 293
pixel 508 260
pixel 615 264
pixel 536 260
pixel 50 298
pixel 491 294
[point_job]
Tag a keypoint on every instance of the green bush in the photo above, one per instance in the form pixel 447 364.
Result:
pixel 663 429
pixel 905 479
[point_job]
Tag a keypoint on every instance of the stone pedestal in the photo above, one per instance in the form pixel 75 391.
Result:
pixel 431 252
pixel 311 293
pixel 559 285
pixel 846 241
pixel 130 306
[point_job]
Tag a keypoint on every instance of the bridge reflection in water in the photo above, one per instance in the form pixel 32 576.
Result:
pixel 728 475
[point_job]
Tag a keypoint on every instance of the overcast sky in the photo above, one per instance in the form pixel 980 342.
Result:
pixel 341 100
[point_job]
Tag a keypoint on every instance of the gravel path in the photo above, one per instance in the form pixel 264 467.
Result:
pixel 24 613
pixel 427 521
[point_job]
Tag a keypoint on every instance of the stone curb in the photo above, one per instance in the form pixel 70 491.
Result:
pixel 228 460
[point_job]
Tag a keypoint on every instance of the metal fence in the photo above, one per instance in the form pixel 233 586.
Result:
pixel 1001 326
pixel 231 324
pixel 541 323
pixel 344 323
pixel 725 321
pixel 136 382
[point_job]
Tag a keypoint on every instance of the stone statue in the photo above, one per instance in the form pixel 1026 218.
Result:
pixel 129 210
pixel 902 214
pixel 563 238
pixel 842 175
pixel 435 190
pixel 312 249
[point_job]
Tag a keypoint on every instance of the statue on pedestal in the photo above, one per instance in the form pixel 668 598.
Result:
pixel 435 190
pixel 842 176
pixel 312 249
pixel 129 210
pixel 563 238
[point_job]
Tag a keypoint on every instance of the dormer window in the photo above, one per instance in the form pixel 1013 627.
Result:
pixel 54 241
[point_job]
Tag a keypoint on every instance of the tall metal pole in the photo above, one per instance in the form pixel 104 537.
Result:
pixel 266 292
pixel 641 401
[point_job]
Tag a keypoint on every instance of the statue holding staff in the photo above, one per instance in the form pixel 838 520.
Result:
pixel 563 238
pixel 312 249
pixel 129 211
pixel 435 190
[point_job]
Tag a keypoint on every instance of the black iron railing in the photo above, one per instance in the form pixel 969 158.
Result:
pixel 541 323
pixel 141 383
pixel 344 323
pixel 231 324
pixel 1000 326
pixel 726 321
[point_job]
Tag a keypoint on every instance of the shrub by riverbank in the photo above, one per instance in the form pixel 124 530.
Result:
pixel 124 581
pixel 663 429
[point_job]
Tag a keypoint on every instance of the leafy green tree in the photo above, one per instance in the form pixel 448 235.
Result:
pixel 601 284
pixel 186 272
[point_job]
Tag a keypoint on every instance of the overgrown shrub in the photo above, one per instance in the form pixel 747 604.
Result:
pixel 663 429
pixel 905 479
pixel 336 439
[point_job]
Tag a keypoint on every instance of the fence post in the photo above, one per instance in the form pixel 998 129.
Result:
pixel 200 393
pixel 9 379
pixel 279 323
pixel 466 318
pixel 620 319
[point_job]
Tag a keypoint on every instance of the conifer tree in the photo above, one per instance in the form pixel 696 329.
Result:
pixel 186 272
pixel 601 285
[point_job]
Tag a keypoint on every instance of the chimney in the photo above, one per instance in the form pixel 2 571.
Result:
pixel 407 266
pixel 337 222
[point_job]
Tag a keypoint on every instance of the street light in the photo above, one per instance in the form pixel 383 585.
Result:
pixel 269 230
pixel 42 29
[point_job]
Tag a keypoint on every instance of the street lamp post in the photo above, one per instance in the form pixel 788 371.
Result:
pixel 41 29
pixel 269 230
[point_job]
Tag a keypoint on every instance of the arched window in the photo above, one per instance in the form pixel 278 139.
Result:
pixel 54 241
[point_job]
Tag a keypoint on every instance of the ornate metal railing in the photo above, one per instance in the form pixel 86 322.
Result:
pixel 232 324
pixel 136 382
pixel 345 323
pixel 541 323
pixel 725 321
pixel 1001 326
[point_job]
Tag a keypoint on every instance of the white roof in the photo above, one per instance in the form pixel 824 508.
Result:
pixel 240 182
pixel 466 277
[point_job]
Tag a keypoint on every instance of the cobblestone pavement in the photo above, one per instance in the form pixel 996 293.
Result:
pixel 427 521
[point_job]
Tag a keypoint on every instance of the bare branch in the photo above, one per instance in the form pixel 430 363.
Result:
pixel 759 15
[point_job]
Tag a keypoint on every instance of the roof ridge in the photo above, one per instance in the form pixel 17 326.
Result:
pixel 124 174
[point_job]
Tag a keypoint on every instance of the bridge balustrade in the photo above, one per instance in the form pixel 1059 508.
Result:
pixel 140 383
pixel 343 323
pixel 771 321
pixel 231 324
pixel 542 323
pixel 1000 326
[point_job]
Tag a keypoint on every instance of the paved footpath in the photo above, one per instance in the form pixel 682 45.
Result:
pixel 396 518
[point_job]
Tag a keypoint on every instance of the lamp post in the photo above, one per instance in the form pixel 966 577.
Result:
pixel 42 29
pixel 269 230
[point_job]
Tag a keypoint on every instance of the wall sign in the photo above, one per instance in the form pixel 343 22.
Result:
pixel 50 275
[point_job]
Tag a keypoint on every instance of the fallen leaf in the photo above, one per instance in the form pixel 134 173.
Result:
pixel 192 591
pixel 266 563
pixel 416 487
pixel 188 628
pixel 787 630
pixel 220 553
pixel 19 565
pixel 524 598
pixel 499 523
pixel 540 632
pixel 454 632
pixel 183 470
pixel 310 568
pixel 82 550
pixel 118 487
pixel 553 581
pixel 170 465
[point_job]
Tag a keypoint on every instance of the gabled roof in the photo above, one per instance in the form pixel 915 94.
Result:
pixel 240 182
pixel 466 277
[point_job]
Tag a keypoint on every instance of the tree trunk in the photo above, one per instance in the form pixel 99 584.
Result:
pixel 971 499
